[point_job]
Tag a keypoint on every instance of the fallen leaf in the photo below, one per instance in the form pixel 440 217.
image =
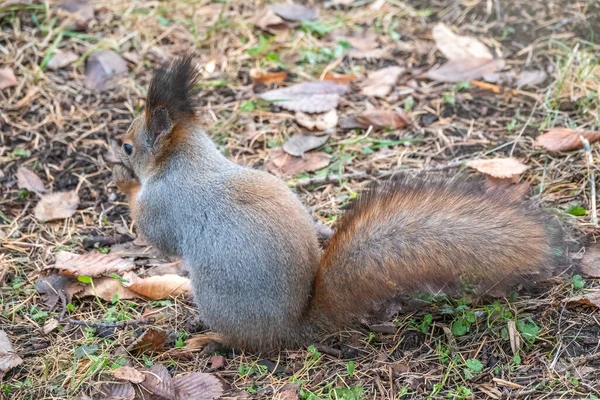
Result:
pixel 50 325
pixel 284 164
pixel 8 358
pixel 456 47
pixel 151 341
pixel 128 374
pixel 217 362
pixel 506 168
pixel 158 287
pixel 565 139
pixel 465 69
pixel 591 299
pixel 198 341
pixel 380 119
pixel 339 78
pixel 27 179
pixel 268 78
pixel 61 59
pixel 92 264
pixel 514 336
pixel 298 144
pixel 7 78
pixel 289 391
pixel 55 287
pixel 159 382
pixel 590 262
pixel 107 289
pixel 115 391
pixel 59 205
pixel 320 122
pixel 103 69
pixel 295 12
pixel 198 385
pixel 513 79
pixel 81 10
pixel 270 22
pixel 381 82
pixel 312 97
pixel 375 54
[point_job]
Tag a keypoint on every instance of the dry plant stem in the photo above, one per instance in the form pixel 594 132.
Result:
pixel 590 162
pixel 141 321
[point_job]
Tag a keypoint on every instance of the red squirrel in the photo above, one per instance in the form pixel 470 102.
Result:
pixel 259 276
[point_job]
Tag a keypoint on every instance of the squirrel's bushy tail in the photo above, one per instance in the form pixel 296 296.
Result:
pixel 426 234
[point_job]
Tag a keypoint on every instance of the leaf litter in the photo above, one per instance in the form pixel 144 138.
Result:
pixel 308 97
pixel 27 179
pixel 281 163
pixel 55 206
pixel 565 139
pixel 299 144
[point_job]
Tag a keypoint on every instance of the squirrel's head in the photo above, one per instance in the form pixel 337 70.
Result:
pixel 170 113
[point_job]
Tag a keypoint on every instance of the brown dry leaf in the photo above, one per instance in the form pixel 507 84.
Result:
pixel 514 336
pixel 267 78
pixel 217 362
pixel 27 179
pixel 298 144
pixel 103 70
pixel 106 289
pixel 591 299
pixel 151 341
pixel 7 78
pixel 380 83
pixel 511 78
pixel 289 391
pixel 311 97
pixel 505 168
pixel 197 342
pixel 115 391
pixel 285 164
pixel 295 12
pixel 8 358
pixel 565 139
pixel 50 325
pixel 270 22
pixel 158 287
pixel 159 382
pixel 380 119
pixel 456 47
pixel 55 206
pixel 465 69
pixel 590 263
pixel 320 122
pixel 375 54
pixel 61 59
pixel 339 78
pixel 90 264
pixel 55 287
pixel 128 374
pixel 198 385
pixel 81 10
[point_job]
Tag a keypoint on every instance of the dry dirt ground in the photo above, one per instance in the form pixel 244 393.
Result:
pixel 57 119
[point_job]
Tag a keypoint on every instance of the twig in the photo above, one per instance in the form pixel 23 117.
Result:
pixel 141 321
pixel 580 362
pixel 589 160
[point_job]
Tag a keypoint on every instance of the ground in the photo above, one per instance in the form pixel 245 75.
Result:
pixel 54 124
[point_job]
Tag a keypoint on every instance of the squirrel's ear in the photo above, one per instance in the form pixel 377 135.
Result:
pixel 159 127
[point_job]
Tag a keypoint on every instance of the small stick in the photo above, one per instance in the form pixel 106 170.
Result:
pixel 141 321
pixel 589 159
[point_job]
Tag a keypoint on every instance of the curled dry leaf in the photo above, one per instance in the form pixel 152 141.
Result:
pixel 339 78
pixel 295 12
pixel 564 139
pixel 380 83
pixel 151 341
pixel 270 22
pixel 198 385
pixel 320 122
pixel 103 70
pixel 8 358
pixel 505 168
pixel 311 97
pixel 267 78
pixel 115 391
pixel 380 119
pixel 128 374
pixel 456 47
pixel 514 336
pixel 158 287
pixel 27 179
pixel 297 145
pixel 61 59
pixel 159 382
pixel 284 164
pixel 7 78
pixel 90 264
pixel 591 299
pixel 465 69
pixel 50 325
pixel 590 263
pixel 55 206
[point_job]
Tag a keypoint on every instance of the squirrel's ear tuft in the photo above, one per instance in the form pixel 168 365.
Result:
pixel 172 97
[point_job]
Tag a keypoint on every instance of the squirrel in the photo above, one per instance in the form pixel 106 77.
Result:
pixel 259 276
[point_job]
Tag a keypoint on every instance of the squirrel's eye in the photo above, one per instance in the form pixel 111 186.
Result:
pixel 128 148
